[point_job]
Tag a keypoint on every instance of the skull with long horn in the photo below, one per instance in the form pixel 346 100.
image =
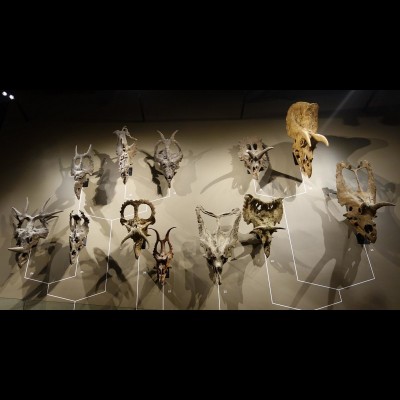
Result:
pixel 137 227
pixel 302 126
pixel 254 153
pixel 361 205
pixel 36 228
pixel 82 165
pixel 167 159
pixel 163 256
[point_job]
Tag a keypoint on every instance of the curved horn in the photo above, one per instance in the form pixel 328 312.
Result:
pixel 306 135
pixel 158 235
pixel 172 138
pixel 129 236
pixel 17 249
pixel 265 151
pixel 320 138
pixel 162 135
pixel 377 206
pixel 167 235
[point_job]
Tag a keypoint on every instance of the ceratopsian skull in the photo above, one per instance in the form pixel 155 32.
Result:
pixel 361 206
pixel 168 160
pixel 302 126
pixel 82 165
pixel 162 256
pixel 28 237
pixel 264 217
pixel 254 153
pixel 218 245
pixel 79 226
pixel 125 152
pixel 137 227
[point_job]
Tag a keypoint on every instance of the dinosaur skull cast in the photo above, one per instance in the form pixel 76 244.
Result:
pixel 82 165
pixel 254 153
pixel 168 160
pixel 79 226
pixel 361 205
pixel 264 217
pixel 125 152
pixel 162 256
pixel 302 126
pixel 28 236
pixel 218 245
pixel 137 227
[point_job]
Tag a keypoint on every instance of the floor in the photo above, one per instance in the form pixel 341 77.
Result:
pixel 314 264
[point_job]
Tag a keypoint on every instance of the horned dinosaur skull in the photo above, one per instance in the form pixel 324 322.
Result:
pixel 79 226
pixel 168 160
pixel 254 153
pixel 28 236
pixel 162 256
pixel 264 217
pixel 361 206
pixel 218 245
pixel 125 152
pixel 302 126
pixel 137 227
pixel 82 165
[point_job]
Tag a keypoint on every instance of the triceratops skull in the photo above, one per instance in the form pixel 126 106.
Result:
pixel 79 226
pixel 167 160
pixel 302 126
pixel 254 153
pixel 82 165
pixel 218 245
pixel 264 217
pixel 125 152
pixel 28 237
pixel 162 256
pixel 137 227
pixel 361 206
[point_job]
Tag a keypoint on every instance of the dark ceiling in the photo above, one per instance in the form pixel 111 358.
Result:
pixel 168 105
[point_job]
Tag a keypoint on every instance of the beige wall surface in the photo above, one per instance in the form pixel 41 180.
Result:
pixel 314 262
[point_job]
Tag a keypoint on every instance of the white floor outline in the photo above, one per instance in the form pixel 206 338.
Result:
pixel 295 266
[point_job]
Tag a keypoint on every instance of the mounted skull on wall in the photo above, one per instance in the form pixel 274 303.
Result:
pixel 167 159
pixel 82 165
pixel 137 227
pixel 79 226
pixel 28 236
pixel 361 205
pixel 302 126
pixel 218 245
pixel 264 217
pixel 162 256
pixel 125 152
pixel 254 153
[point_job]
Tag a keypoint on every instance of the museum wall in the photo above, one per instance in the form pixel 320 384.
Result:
pixel 315 263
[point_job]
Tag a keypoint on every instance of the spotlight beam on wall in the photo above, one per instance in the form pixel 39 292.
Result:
pixel 338 109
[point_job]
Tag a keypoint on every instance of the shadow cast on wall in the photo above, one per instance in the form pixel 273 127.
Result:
pixel 345 263
pixel 241 179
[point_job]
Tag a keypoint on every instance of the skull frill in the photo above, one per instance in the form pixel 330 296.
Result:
pixel 361 206
pixel 302 126
pixel 79 226
pixel 82 165
pixel 28 236
pixel 125 152
pixel 218 245
pixel 162 256
pixel 254 153
pixel 264 217
pixel 137 227
pixel 167 160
